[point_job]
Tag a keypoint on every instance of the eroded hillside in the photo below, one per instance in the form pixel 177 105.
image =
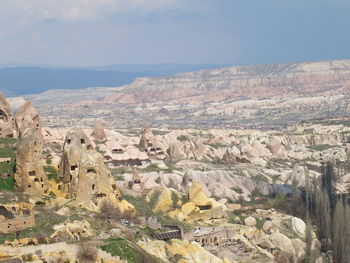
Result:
pixel 265 96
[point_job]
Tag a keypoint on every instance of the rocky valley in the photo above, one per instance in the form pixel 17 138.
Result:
pixel 258 97
pixel 74 192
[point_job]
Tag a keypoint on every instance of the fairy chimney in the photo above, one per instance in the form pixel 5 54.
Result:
pixel 99 133
pixel 30 176
pixel 83 173
pixel 76 143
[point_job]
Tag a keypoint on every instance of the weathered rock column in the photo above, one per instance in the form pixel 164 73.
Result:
pixel 30 176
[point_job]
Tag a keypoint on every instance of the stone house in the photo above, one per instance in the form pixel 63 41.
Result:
pixel 16 217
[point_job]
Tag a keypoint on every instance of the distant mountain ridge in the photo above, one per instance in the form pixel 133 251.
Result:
pixel 25 80
pixel 262 96
pixel 241 82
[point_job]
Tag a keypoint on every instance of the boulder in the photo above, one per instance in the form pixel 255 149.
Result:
pixel 299 226
pixel 267 225
pixel 282 242
pixel 164 202
pixel 250 221
pixel 192 252
pixel 299 247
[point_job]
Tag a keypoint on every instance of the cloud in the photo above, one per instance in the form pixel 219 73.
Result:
pixel 75 10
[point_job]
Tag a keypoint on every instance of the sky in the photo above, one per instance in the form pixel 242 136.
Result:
pixel 237 32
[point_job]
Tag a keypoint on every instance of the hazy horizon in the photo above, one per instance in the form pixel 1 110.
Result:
pixel 80 33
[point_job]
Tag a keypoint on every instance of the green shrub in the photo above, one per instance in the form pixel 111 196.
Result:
pixel 7 184
pixel 158 180
pixel 119 178
pixel 182 138
pixel 50 172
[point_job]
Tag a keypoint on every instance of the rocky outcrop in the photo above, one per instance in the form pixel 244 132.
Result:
pixel 30 176
pixel 174 153
pixel 225 185
pixel 254 82
pixel 6 118
pixel 99 133
pixel 231 155
pixel 200 207
pixel 152 145
pixel 184 250
pixel 72 231
pixel 250 221
pixel 276 148
pixel 84 175
pixel 76 143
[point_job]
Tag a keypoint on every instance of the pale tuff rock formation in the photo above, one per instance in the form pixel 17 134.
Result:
pixel 76 143
pixel 276 148
pixel 137 182
pixel 99 133
pixel 147 138
pixel 6 119
pixel 95 182
pixel 174 153
pixel 250 221
pixel 16 217
pixel 186 251
pixel 55 252
pixel 84 175
pixel 152 145
pixel 198 208
pixel 231 155
pixel 223 184
pixel 30 176
pixel 298 176
pixel 72 230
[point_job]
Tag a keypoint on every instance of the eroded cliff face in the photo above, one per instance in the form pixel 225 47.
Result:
pixel 6 119
pixel 30 176
pixel 248 82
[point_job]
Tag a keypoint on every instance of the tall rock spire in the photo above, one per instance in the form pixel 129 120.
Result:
pixel 30 176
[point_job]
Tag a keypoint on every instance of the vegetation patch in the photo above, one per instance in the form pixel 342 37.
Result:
pixel 151 168
pixel 7 184
pixel 321 147
pixel 119 178
pixel 50 172
pixel 120 247
pixel 182 138
pixel 7 169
